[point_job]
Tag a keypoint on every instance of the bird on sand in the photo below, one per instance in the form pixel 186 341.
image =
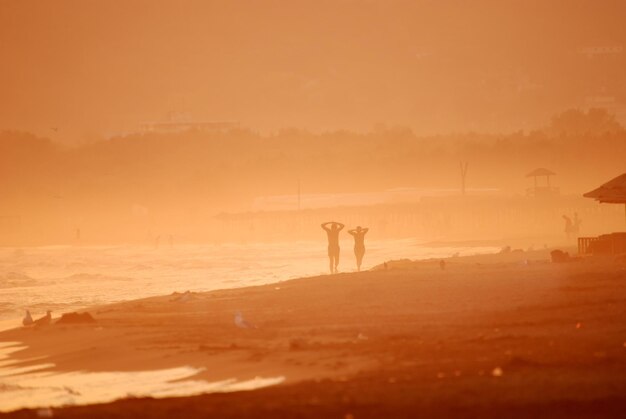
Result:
pixel 243 323
pixel 44 320
pixel 28 319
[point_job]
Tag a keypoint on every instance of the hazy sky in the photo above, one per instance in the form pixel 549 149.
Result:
pixel 98 67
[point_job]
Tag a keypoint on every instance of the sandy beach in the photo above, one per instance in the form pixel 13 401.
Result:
pixel 488 336
pixel 313 209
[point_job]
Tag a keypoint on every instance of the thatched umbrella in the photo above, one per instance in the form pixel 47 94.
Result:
pixel 612 192
pixel 541 172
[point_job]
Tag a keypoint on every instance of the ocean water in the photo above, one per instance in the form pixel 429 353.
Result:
pixel 67 278
pixel 34 386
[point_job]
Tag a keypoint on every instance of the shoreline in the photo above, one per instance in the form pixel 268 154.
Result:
pixel 413 323
pixel 68 279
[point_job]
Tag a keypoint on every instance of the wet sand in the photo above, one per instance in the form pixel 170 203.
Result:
pixel 508 335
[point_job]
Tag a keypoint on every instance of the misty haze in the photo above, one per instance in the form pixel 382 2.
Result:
pixel 349 208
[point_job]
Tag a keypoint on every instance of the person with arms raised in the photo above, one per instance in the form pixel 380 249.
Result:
pixel 333 243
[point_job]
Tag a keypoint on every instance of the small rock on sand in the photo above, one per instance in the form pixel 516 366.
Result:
pixel 76 318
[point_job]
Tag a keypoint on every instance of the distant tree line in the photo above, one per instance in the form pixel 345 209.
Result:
pixel 227 170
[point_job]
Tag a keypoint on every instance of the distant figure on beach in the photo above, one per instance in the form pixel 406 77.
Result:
pixel 569 226
pixel 333 243
pixel 359 244
pixel 577 222
pixel 442 265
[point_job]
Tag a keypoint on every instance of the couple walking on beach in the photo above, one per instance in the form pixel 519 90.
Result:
pixel 332 229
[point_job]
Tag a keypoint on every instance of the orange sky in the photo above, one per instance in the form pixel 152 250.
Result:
pixel 94 68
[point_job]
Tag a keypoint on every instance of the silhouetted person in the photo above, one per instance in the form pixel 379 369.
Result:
pixel 442 265
pixel 28 319
pixel 333 243
pixel 359 244
pixel 569 226
pixel 44 320
pixel 577 223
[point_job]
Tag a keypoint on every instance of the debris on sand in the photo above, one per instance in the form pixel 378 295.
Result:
pixel 559 256
pixel 182 298
pixel 76 318
pixel 242 323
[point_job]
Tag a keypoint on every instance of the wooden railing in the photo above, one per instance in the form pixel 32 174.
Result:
pixel 606 244
pixel 584 244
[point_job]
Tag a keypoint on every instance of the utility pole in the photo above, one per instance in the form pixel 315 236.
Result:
pixel 463 176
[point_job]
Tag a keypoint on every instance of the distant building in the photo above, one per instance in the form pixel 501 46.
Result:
pixel 168 126
pixel 178 123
